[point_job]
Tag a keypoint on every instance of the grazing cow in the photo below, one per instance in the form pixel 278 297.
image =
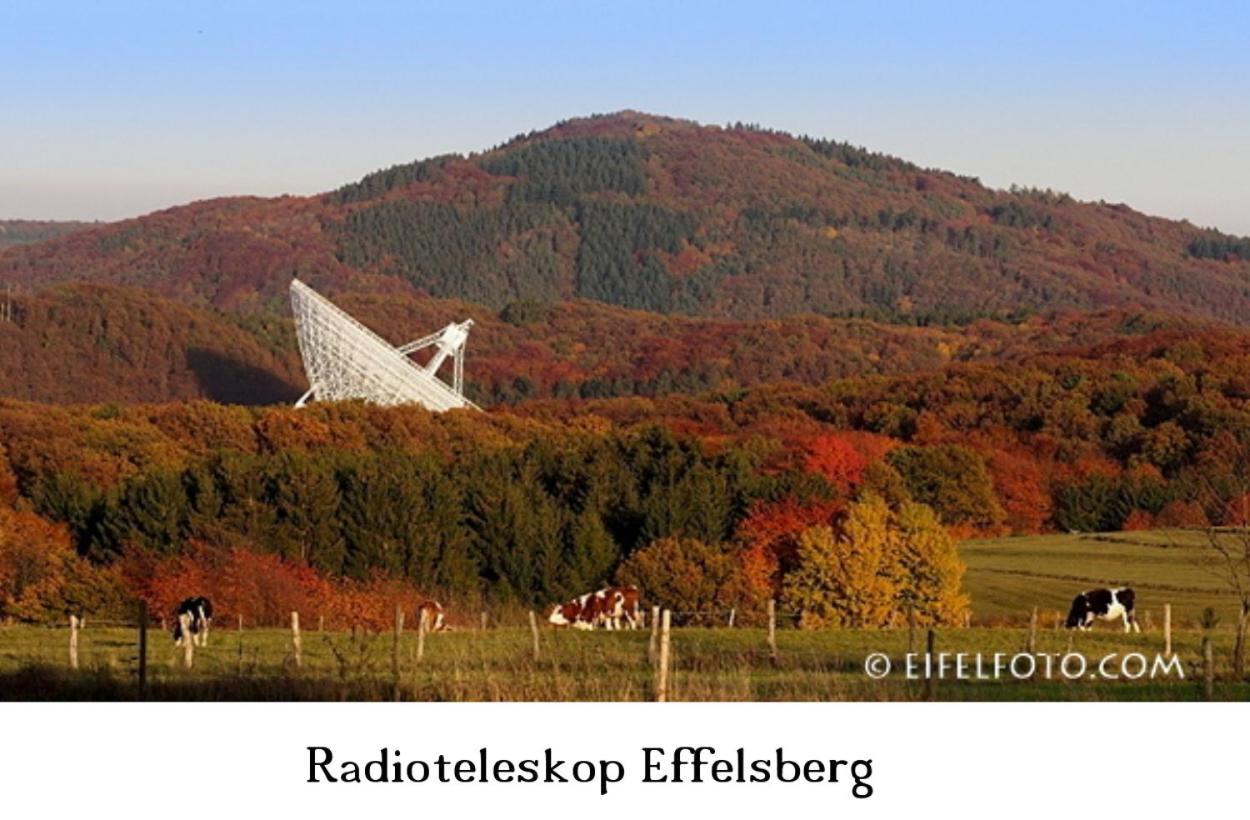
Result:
pixel 619 604
pixel 1107 604
pixel 579 613
pixel 199 611
pixel 433 612
pixel 606 607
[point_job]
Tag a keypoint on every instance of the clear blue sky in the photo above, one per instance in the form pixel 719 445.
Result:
pixel 116 109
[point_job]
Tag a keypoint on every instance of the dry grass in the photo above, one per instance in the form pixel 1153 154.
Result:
pixel 498 665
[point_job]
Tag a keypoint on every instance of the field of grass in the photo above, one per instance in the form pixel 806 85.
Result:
pixel 498 664
pixel 1008 576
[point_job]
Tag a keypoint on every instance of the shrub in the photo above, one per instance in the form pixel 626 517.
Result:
pixel 1180 513
pixel 699 582
pixel 263 588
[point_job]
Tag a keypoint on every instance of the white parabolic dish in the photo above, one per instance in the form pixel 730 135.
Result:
pixel 343 359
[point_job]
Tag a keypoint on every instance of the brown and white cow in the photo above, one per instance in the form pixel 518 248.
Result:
pixel 610 608
pixel 432 611
pixel 619 605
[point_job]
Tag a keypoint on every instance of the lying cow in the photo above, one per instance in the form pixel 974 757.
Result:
pixel 609 608
pixel 198 612
pixel 433 612
pixel 1105 604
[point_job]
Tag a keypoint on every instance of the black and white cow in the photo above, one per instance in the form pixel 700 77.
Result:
pixel 1107 604
pixel 198 612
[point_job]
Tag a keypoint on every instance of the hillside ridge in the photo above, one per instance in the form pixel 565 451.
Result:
pixel 669 216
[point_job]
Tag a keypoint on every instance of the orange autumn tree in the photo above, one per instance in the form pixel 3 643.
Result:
pixel 837 460
pixel 33 555
pixel 43 579
pixel 8 481
pixel 1237 511
pixel 1182 513
pixel 1021 489
pixel 770 536
pixel 843 457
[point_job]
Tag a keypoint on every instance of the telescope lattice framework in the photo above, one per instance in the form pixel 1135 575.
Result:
pixel 343 359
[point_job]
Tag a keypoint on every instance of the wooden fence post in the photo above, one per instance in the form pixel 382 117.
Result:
pixel 73 641
pixel 1239 646
pixel 483 620
pixel 732 613
pixel 1208 669
pixel 929 686
pixel 188 640
pixel 1032 642
pixel 240 621
pixel 399 634
pixel 321 623
pixel 143 649
pixel 772 630
pixel 661 675
pixel 422 625
pixel 534 632
pixel 1167 630
pixel 296 646
pixel 652 645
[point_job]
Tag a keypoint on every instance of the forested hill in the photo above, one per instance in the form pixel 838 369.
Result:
pixel 88 343
pixel 668 216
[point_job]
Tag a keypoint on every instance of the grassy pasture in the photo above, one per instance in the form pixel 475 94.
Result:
pixel 1008 576
pixel 498 664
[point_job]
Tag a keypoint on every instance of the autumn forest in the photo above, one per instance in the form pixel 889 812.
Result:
pixel 716 362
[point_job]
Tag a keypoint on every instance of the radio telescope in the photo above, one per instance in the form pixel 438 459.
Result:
pixel 346 360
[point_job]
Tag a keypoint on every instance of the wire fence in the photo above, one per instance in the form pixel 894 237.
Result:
pixel 707 640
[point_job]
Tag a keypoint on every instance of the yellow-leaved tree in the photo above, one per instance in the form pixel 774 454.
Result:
pixel 931 570
pixel 874 564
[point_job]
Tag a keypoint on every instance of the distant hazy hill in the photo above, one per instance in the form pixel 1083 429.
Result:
pixel 668 216
pixel 25 231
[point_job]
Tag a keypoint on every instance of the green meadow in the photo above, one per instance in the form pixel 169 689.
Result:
pixel 1006 579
